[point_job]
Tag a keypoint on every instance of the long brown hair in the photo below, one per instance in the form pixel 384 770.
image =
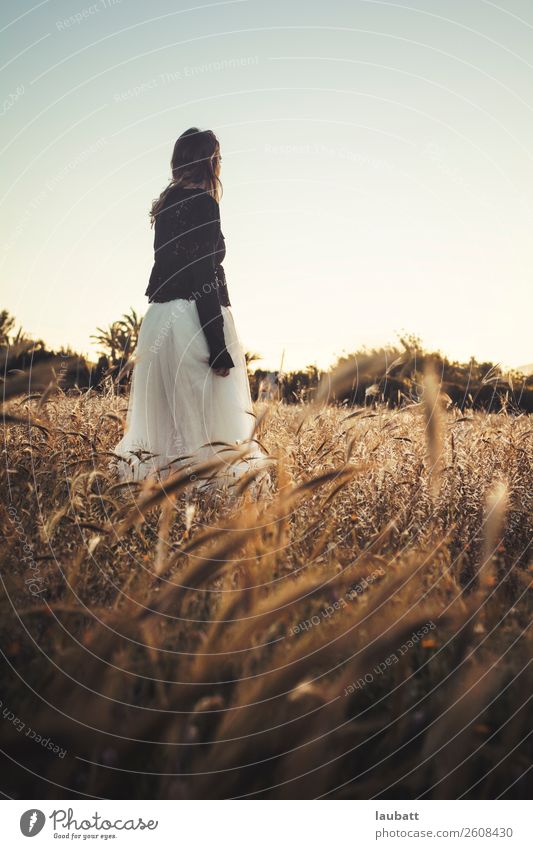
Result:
pixel 195 161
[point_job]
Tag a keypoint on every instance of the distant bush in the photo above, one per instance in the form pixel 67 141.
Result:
pixel 393 375
pixel 390 375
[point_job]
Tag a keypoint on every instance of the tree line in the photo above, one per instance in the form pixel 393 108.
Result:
pixel 389 375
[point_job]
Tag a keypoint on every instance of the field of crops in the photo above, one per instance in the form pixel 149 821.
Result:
pixel 357 631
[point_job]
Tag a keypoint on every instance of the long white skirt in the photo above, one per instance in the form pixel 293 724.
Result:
pixel 180 412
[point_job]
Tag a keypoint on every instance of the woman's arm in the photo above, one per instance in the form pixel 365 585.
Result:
pixel 204 242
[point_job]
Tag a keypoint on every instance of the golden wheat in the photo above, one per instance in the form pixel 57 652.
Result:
pixel 180 644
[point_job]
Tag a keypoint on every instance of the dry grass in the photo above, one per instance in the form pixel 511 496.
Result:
pixel 186 646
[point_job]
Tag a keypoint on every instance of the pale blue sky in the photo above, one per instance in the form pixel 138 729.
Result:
pixel 377 166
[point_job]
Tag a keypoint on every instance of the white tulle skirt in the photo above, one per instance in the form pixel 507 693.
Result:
pixel 180 412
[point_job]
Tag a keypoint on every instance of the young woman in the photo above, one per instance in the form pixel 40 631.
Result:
pixel 190 395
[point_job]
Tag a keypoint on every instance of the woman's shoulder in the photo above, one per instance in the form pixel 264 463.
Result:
pixel 203 206
pixel 204 200
pixel 195 201
pixel 194 193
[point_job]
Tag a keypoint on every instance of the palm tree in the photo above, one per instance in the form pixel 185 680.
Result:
pixel 132 323
pixel 251 357
pixel 119 340
pixel 7 323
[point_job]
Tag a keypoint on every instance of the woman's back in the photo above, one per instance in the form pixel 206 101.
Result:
pixel 188 245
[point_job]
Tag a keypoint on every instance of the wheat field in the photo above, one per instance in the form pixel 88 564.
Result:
pixel 360 630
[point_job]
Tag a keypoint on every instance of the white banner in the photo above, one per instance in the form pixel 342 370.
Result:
pixel 264 824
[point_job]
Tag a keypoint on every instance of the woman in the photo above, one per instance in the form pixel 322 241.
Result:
pixel 190 394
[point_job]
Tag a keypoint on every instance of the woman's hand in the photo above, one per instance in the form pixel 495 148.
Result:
pixel 221 372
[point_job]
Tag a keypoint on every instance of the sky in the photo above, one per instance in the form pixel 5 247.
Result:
pixel 376 160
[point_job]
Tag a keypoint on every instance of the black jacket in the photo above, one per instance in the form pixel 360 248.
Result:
pixel 188 251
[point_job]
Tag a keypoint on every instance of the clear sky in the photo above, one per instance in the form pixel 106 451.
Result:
pixel 377 166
